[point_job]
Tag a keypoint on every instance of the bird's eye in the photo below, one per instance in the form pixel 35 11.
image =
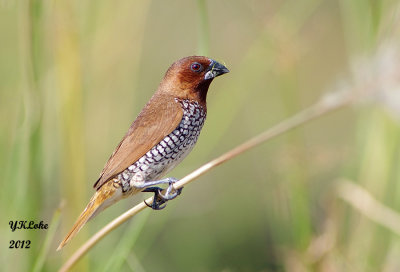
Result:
pixel 196 67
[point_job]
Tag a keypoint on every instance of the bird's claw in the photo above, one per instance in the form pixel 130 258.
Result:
pixel 168 195
pixel 160 198
pixel 156 205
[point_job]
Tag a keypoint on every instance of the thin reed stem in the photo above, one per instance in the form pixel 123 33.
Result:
pixel 203 29
pixel 361 200
pixel 326 105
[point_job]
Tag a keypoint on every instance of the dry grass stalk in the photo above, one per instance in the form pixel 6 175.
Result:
pixel 326 105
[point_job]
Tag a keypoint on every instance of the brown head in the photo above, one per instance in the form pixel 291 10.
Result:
pixel 190 77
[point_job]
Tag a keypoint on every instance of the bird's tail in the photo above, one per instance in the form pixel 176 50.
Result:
pixel 105 196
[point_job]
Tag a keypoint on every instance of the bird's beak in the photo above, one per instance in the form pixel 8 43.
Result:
pixel 215 69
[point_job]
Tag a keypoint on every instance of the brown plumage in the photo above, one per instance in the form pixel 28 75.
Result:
pixel 161 136
pixel 159 118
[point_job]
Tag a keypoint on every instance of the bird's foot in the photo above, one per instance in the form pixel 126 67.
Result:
pixel 160 198
pixel 157 200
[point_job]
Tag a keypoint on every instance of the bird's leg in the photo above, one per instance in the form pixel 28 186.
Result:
pixel 160 198
pixel 156 182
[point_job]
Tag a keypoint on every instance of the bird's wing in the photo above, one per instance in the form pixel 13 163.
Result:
pixel 159 117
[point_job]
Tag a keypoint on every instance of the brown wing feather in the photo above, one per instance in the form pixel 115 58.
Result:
pixel 159 117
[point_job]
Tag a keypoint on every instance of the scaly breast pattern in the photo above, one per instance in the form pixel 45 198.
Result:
pixel 168 153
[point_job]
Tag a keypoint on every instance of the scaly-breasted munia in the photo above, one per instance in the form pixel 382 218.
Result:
pixel 162 135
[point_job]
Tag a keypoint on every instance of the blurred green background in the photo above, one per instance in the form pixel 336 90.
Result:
pixel 74 75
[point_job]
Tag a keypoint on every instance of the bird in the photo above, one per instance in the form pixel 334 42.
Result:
pixel 162 135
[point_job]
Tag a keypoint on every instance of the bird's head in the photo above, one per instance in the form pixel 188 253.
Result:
pixel 190 77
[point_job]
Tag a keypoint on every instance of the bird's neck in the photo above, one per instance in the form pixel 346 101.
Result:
pixel 201 91
pixel 186 91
